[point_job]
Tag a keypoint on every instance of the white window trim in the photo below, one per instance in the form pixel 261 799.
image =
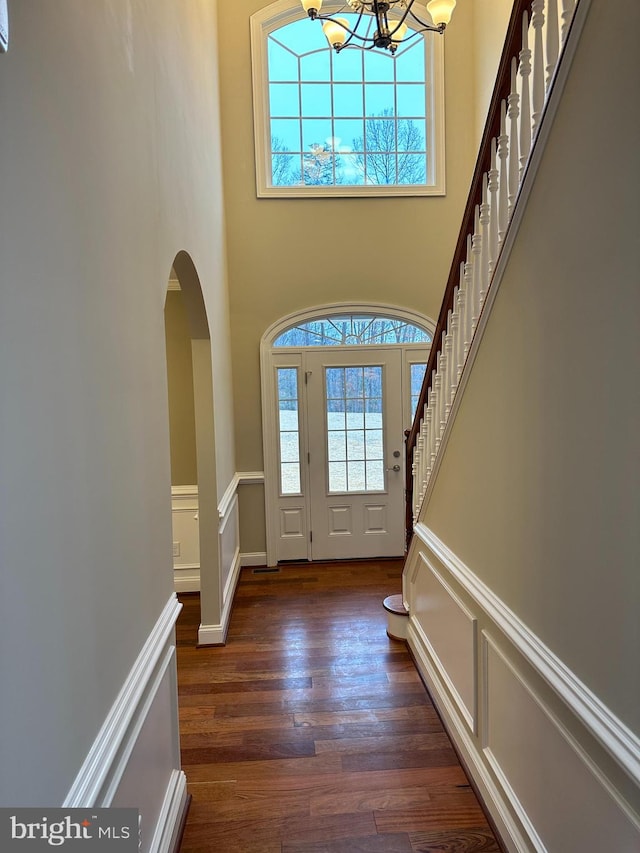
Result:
pixel 283 12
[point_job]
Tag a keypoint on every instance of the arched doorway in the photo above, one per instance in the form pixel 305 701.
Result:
pixel 338 387
pixel 200 458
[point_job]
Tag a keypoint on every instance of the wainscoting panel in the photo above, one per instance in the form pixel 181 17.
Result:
pixel 186 538
pixel 562 797
pixel 556 768
pixel 135 759
pixel 448 630
pixel 229 544
pixel 151 777
pixel 229 563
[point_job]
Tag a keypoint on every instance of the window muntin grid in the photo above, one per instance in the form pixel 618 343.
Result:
pixel 350 329
pixel 355 429
pixel 357 118
pixel 417 375
pixel 288 430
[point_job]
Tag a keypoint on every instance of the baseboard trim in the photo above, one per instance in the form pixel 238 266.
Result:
pixel 216 635
pixel 96 771
pixel 255 558
pixel 186 581
pixel 619 741
pixel 182 824
pixel 173 816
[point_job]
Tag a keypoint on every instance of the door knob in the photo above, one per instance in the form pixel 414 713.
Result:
pixel 395 468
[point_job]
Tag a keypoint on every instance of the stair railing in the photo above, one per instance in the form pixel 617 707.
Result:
pixel 536 35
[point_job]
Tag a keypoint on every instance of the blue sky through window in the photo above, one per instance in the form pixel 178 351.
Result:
pixel 355 118
pixel 352 329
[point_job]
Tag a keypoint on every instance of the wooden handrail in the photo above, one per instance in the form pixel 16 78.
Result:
pixel 512 48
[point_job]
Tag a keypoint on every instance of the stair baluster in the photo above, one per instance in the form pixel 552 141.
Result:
pixel 553 41
pixel 537 80
pixel 525 97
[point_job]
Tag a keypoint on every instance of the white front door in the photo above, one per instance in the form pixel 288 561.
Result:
pixel 355 446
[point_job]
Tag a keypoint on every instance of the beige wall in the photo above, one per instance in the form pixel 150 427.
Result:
pixel 539 489
pixel 109 166
pixel 184 471
pixel 252 522
pixel 279 250
pixel 490 20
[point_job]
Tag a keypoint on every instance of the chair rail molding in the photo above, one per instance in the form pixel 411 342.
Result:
pixel 240 478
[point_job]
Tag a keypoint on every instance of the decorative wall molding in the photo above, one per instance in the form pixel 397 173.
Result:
pixel 454 662
pixel 122 762
pixel 185 525
pixel 184 491
pixel 165 838
pixel 518 728
pixel 508 828
pixel 228 497
pixel 187 574
pixel 229 548
pixel 621 743
pixel 240 478
pixel 232 581
pixel 105 763
pixel 231 511
pixel 250 478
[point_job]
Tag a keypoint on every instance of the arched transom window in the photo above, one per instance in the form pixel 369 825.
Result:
pixel 358 122
pixel 350 329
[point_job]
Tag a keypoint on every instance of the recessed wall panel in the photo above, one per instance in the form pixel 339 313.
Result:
pixel 558 791
pixel 450 630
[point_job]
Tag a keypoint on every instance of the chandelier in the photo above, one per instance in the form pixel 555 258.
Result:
pixel 389 32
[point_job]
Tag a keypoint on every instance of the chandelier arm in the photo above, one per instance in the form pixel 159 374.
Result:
pixel 425 27
pixel 410 34
pixel 352 33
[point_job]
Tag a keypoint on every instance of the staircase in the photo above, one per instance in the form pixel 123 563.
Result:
pixel 521 577
pixel 532 66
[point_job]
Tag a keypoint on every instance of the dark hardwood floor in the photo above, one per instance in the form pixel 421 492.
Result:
pixel 311 731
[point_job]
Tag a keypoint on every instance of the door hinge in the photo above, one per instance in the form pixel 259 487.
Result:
pixel 308 459
pixel 311 536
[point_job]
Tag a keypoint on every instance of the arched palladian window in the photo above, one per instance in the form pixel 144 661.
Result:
pixel 358 122
pixel 352 329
